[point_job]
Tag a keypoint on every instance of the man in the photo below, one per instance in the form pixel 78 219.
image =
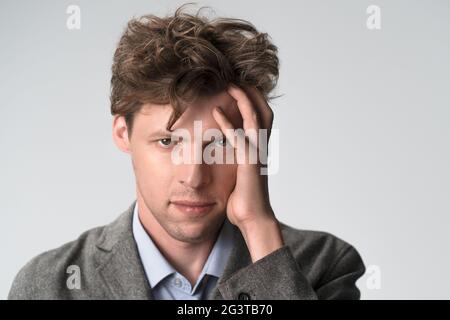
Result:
pixel 196 230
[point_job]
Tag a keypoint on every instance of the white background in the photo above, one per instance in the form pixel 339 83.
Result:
pixel 364 129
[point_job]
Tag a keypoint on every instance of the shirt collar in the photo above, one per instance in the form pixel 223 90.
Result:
pixel 157 267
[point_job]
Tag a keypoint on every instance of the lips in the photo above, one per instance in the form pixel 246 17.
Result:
pixel 193 203
pixel 193 207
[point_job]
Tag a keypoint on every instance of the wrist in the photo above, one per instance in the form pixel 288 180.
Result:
pixel 262 236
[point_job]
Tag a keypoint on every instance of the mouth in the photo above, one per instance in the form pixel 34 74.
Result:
pixel 193 207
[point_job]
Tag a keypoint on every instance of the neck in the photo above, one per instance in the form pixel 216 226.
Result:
pixel 187 258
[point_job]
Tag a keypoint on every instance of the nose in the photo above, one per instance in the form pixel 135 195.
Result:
pixel 195 175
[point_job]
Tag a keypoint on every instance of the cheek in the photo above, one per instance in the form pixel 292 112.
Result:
pixel 153 169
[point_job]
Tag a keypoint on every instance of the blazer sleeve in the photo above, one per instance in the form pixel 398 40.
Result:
pixel 278 276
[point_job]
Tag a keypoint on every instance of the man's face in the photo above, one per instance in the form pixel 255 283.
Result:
pixel 160 180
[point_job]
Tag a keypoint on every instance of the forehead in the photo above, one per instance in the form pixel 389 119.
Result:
pixel 152 119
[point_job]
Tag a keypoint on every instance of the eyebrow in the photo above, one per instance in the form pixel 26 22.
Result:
pixel 160 132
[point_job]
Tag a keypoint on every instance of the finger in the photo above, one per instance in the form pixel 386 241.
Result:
pixel 240 142
pixel 225 125
pixel 262 107
pixel 246 108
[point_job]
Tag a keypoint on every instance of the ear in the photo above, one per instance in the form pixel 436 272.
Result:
pixel 120 133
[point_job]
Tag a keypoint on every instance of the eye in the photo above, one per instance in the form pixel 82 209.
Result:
pixel 165 142
pixel 222 142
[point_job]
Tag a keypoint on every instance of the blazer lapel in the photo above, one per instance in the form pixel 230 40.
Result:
pixel 121 271
pixel 239 258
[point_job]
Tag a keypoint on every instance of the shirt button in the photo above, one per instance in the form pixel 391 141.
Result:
pixel 244 296
pixel 177 282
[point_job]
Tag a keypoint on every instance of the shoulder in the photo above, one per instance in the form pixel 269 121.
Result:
pixel 45 275
pixel 321 255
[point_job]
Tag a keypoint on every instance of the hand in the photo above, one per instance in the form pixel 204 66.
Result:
pixel 249 206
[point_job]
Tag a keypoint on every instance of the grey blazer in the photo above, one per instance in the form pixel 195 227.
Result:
pixel 311 265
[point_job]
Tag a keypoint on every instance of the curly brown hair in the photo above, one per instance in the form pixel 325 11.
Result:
pixel 176 59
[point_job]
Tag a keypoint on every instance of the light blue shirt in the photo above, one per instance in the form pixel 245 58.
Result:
pixel 165 281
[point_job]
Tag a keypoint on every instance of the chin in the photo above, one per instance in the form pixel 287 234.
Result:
pixel 190 237
pixel 194 232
